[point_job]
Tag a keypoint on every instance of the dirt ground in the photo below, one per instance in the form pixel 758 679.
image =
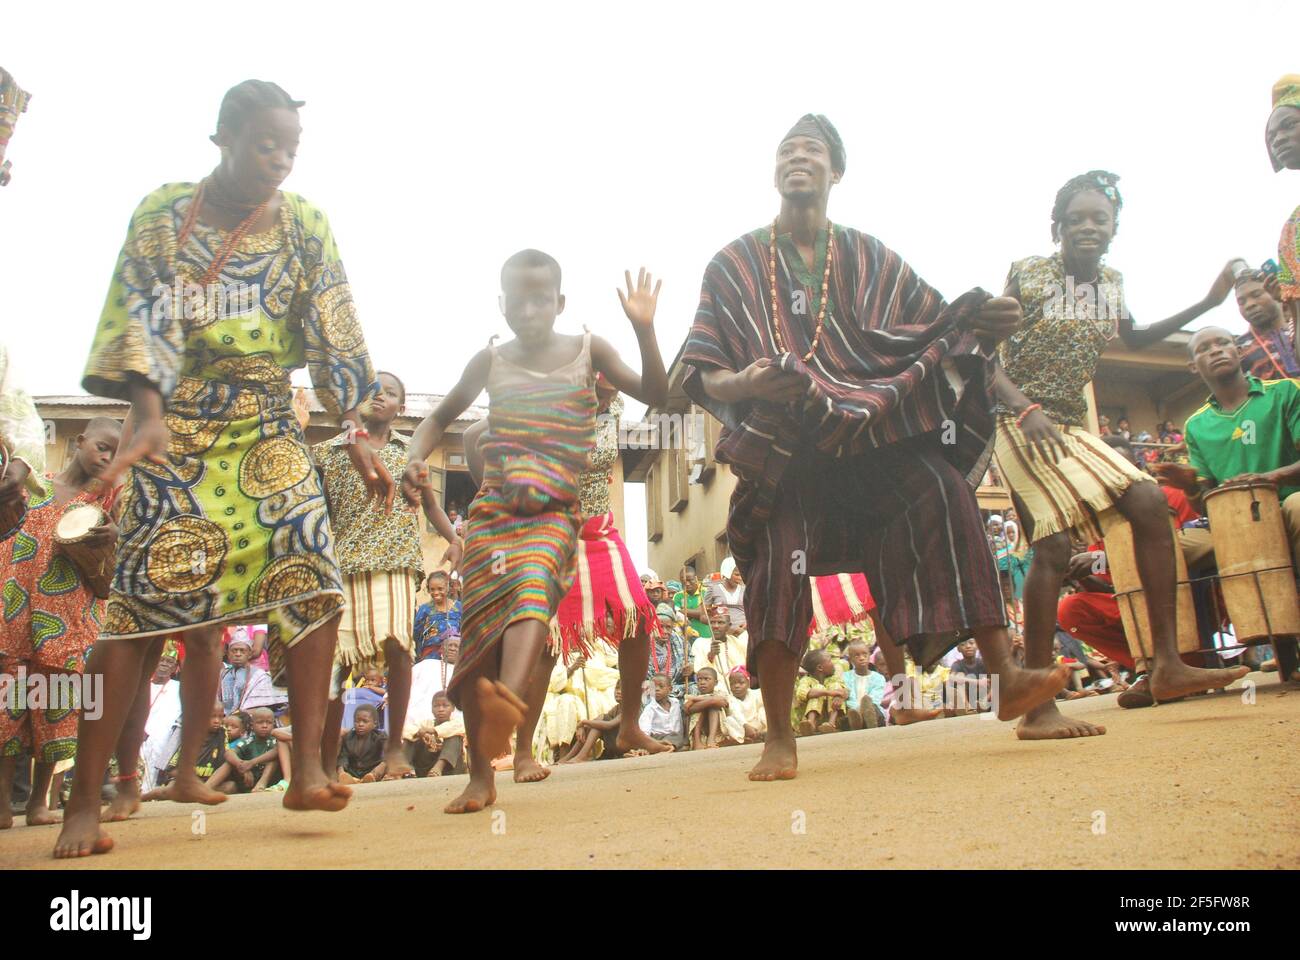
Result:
pixel 1213 782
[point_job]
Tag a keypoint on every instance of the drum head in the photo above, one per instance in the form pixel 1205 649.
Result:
pixel 77 521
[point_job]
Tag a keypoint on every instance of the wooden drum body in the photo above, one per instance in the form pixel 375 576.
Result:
pixel 1121 559
pixel 1254 559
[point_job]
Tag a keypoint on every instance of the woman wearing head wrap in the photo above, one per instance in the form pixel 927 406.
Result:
pixel 1065 480
pixel 729 592
pixel 1282 137
pixel 221 289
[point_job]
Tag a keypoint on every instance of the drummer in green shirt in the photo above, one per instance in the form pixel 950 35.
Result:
pixel 691 601
pixel 1249 429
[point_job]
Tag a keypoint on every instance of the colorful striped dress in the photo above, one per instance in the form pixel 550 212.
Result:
pixel 523 526
pixel 606 585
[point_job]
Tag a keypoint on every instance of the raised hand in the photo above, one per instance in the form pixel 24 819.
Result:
pixel 640 302
pixel 378 481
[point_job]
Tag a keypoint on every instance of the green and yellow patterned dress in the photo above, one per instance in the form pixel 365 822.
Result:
pixel 234 528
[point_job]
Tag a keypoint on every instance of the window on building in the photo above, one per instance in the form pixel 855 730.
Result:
pixel 678 480
pixel 654 516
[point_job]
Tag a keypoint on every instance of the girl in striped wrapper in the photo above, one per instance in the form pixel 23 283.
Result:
pixel 524 524
pixel 607 601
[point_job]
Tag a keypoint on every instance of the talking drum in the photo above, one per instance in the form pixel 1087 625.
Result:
pixel 1254 559
pixel 71 534
pixel 14 512
pixel 1122 561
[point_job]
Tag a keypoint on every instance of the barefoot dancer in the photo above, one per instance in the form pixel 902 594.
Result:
pixel 225 518
pixel 606 590
pixel 525 522
pixel 1065 480
pixel 379 555
pixel 51 617
pixel 834 412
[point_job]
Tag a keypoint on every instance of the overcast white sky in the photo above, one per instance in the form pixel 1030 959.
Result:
pixel 440 139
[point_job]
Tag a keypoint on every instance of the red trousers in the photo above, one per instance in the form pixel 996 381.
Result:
pixel 1094 619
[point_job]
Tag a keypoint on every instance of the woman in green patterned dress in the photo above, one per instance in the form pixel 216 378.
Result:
pixel 223 288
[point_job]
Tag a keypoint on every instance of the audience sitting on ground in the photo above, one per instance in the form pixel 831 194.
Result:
pixel 211 756
pixel 865 686
pixel 598 739
pixel 440 750
pixel 707 709
pixel 819 696
pixel 661 716
pixel 747 721
pixel 361 751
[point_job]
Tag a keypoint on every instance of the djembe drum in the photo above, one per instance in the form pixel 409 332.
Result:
pixel 1254 560
pixel 71 534
pixel 1121 558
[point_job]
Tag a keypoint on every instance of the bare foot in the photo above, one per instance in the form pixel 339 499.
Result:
pixel 1019 689
pixel 478 795
pixel 500 712
pixel 855 720
pixel 192 790
pixel 40 816
pixel 6 818
pixel 528 770
pixel 327 796
pixel 806 728
pixel 396 765
pixel 780 761
pixel 126 801
pixel 1046 722
pixel 81 836
pixel 903 717
pixel 636 742
pixel 827 727
pixel 1170 679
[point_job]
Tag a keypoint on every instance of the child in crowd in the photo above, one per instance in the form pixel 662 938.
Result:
pixel 603 730
pixel 440 750
pixel 707 710
pixel 819 696
pixel 252 762
pixel 236 725
pixel 865 689
pixel 668 650
pixel 661 716
pixel 211 755
pixel 747 723
pixel 361 751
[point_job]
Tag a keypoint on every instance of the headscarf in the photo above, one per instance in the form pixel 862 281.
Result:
pixel 816 126
pixel 674 586
pixel 727 567
pixel 994 518
pixel 1286 93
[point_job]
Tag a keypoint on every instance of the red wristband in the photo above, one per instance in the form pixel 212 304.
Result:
pixel 1026 412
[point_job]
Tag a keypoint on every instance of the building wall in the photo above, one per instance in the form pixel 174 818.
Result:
pixel 693 531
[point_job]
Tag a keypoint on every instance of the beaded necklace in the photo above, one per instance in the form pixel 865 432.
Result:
pixel 236 235
pixel 826 279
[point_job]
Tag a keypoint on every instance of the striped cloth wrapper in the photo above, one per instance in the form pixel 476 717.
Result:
pixel 605 582
pixel 839 601
pixel 523 526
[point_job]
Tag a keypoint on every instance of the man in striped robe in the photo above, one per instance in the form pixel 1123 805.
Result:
pixel 858 419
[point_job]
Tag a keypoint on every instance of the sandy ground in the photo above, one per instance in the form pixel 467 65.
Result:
pixel 1211 782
